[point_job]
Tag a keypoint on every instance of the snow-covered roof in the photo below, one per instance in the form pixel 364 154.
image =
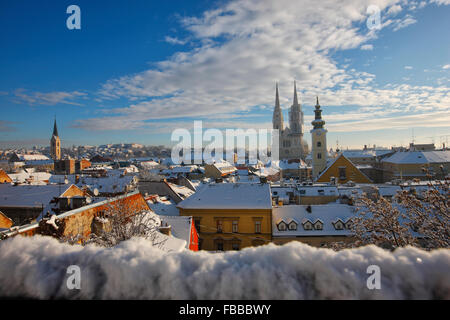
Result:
pixel 33 177
pixel 230 196
pixel 114 182
pixel 163 207
pixel 419 157
pixel 29 195
pixel 180 227
pixel 327 214
pixel 182 191
pixel 32 157
pixel 368 153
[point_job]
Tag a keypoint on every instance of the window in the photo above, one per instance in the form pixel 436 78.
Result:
pixel 219 246
pixel 197 224
pixel 338 225
pixel 235 246
pixel 219 226
pixel 257 226
pixel 318 225
pixel 282 226
pixel 342 173
pixel 235 227
pixel 200 242
pixel 319 144
pixel 292 226
pixel 319 156
pixel 307 226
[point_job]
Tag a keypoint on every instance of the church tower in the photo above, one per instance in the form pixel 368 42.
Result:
pixel 55 144
pixel 296 115
pixel 277 119
pixel 319 142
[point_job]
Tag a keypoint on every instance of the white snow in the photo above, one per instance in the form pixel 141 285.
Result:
pixel 230 196
pixel 36 268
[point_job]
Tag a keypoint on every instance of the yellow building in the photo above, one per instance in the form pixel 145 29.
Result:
pixel 343 170
pixel 230 216
pixel 4 178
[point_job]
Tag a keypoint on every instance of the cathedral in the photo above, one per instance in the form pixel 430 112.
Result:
pixel 292 144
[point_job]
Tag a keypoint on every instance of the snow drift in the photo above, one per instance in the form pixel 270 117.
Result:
pixel 36 268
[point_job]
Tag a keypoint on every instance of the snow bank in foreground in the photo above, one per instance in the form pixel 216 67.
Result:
pixel 36 267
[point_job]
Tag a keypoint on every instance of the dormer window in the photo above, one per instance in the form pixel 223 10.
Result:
pixel 338 225
pixel 318 225
pixel 293 226
pixel 282 226
pixel 307 225
pixel 348 224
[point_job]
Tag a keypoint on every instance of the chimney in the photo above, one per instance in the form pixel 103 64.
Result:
pixel 166 229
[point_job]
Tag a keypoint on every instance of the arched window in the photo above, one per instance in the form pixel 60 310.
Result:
pixel 319 144
pixel 319 156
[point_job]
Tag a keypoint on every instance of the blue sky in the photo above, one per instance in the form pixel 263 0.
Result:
pixel 137 70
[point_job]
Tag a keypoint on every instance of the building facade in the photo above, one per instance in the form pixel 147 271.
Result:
pixel 230 216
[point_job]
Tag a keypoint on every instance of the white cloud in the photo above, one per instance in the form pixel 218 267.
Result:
pixel 394 10
pixel 367 47
pixel 408 67
pixel 48 98
pixel 447 66
pixel 403 23
pixel 243 47
pixel 174 40
pixel 36 268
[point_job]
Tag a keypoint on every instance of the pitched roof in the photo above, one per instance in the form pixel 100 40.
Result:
pixel 327 214
pixel 230 196
pixel 419 157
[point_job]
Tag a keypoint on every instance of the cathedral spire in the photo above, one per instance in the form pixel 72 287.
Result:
pixel 295 94
pixel 277 98
pixel 55 129
pixel 277 119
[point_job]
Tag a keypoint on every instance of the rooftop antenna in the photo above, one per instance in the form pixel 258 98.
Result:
pixel 413 136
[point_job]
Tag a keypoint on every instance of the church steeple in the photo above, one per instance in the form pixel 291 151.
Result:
pixel 318 122
pixel 55 129
pixel 55 144
pixel 277 119
pixel 295 94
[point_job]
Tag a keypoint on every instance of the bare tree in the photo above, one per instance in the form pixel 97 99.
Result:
pixel 119 223
pixel 429 214
pixel 416 219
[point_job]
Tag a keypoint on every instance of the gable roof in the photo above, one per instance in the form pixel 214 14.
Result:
pixel 331 164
